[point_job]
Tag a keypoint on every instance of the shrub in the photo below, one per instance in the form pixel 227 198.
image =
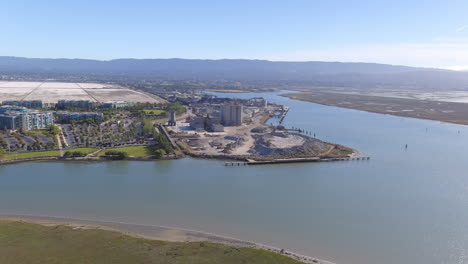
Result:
pixel 159 153
pixel 116 155
pixel 74 154
pixel 53 130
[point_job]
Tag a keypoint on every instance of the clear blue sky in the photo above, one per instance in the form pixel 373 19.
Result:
pixel 398 31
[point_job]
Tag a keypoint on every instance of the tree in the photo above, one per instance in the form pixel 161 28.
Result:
pixel 3 142
pixel 53 130
pixel 164 143
pixel 178 108
pixel 159 153
pixel 148 127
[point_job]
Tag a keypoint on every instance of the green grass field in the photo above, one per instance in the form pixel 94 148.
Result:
pixel 83 150
pixel 24 155
pixel 132 151
pixel 153 111
pixel 27 243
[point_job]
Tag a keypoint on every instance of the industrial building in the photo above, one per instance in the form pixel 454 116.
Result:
pixel 231 115
pixel 206 123
pixel 216 127
pixel 172 118
pixel 258 102
pixel 16 117
pixel 27 103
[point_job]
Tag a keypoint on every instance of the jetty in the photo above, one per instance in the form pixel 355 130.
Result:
pixel 293 160
pixel 283 114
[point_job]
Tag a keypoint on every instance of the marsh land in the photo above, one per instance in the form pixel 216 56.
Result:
pixel 422 104
pixel 25 243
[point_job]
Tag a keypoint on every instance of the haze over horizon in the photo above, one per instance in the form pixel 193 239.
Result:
pixel 216 59
pixel 420 33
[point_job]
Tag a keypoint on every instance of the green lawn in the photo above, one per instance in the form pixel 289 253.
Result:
pixel 83 150
pixel 153 111
pixel 26 243
pixel 132 151
pixel 39 131
pixel 49 153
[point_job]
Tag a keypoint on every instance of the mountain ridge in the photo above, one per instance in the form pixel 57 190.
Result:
pixel 258 72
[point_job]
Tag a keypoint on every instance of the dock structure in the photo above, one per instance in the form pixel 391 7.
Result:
pixel 294 160
pixel 301 131
pixel 294 129
pixel 283 114
pixel 235 164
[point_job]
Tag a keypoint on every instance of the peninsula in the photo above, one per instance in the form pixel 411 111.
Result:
pixel 170 124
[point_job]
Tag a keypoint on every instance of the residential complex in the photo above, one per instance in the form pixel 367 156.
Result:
pixel 15 117
pixel 64 104
pixel 65 116
pixel 118 104
pixel 27 104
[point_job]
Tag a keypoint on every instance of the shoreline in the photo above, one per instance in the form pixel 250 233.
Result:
pixel 227 158
pixel 82 159
pixel 156 232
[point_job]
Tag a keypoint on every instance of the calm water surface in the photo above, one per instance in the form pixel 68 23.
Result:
pixel 402 206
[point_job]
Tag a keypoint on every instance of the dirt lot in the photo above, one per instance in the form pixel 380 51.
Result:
pixel 259 141
pixel 51 92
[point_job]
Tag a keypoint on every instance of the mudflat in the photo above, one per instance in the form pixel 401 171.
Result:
pixel 450 112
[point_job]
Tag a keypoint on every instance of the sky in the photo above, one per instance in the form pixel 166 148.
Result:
pixel 430 33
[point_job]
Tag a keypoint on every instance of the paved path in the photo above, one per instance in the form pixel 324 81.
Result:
pixel 94 153
pixel 59 142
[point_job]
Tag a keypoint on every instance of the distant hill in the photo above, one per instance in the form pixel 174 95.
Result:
pixel 258 71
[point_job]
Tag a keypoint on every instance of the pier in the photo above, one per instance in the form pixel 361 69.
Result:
pixel 283 114
pixel 235 164
pixel 301 131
